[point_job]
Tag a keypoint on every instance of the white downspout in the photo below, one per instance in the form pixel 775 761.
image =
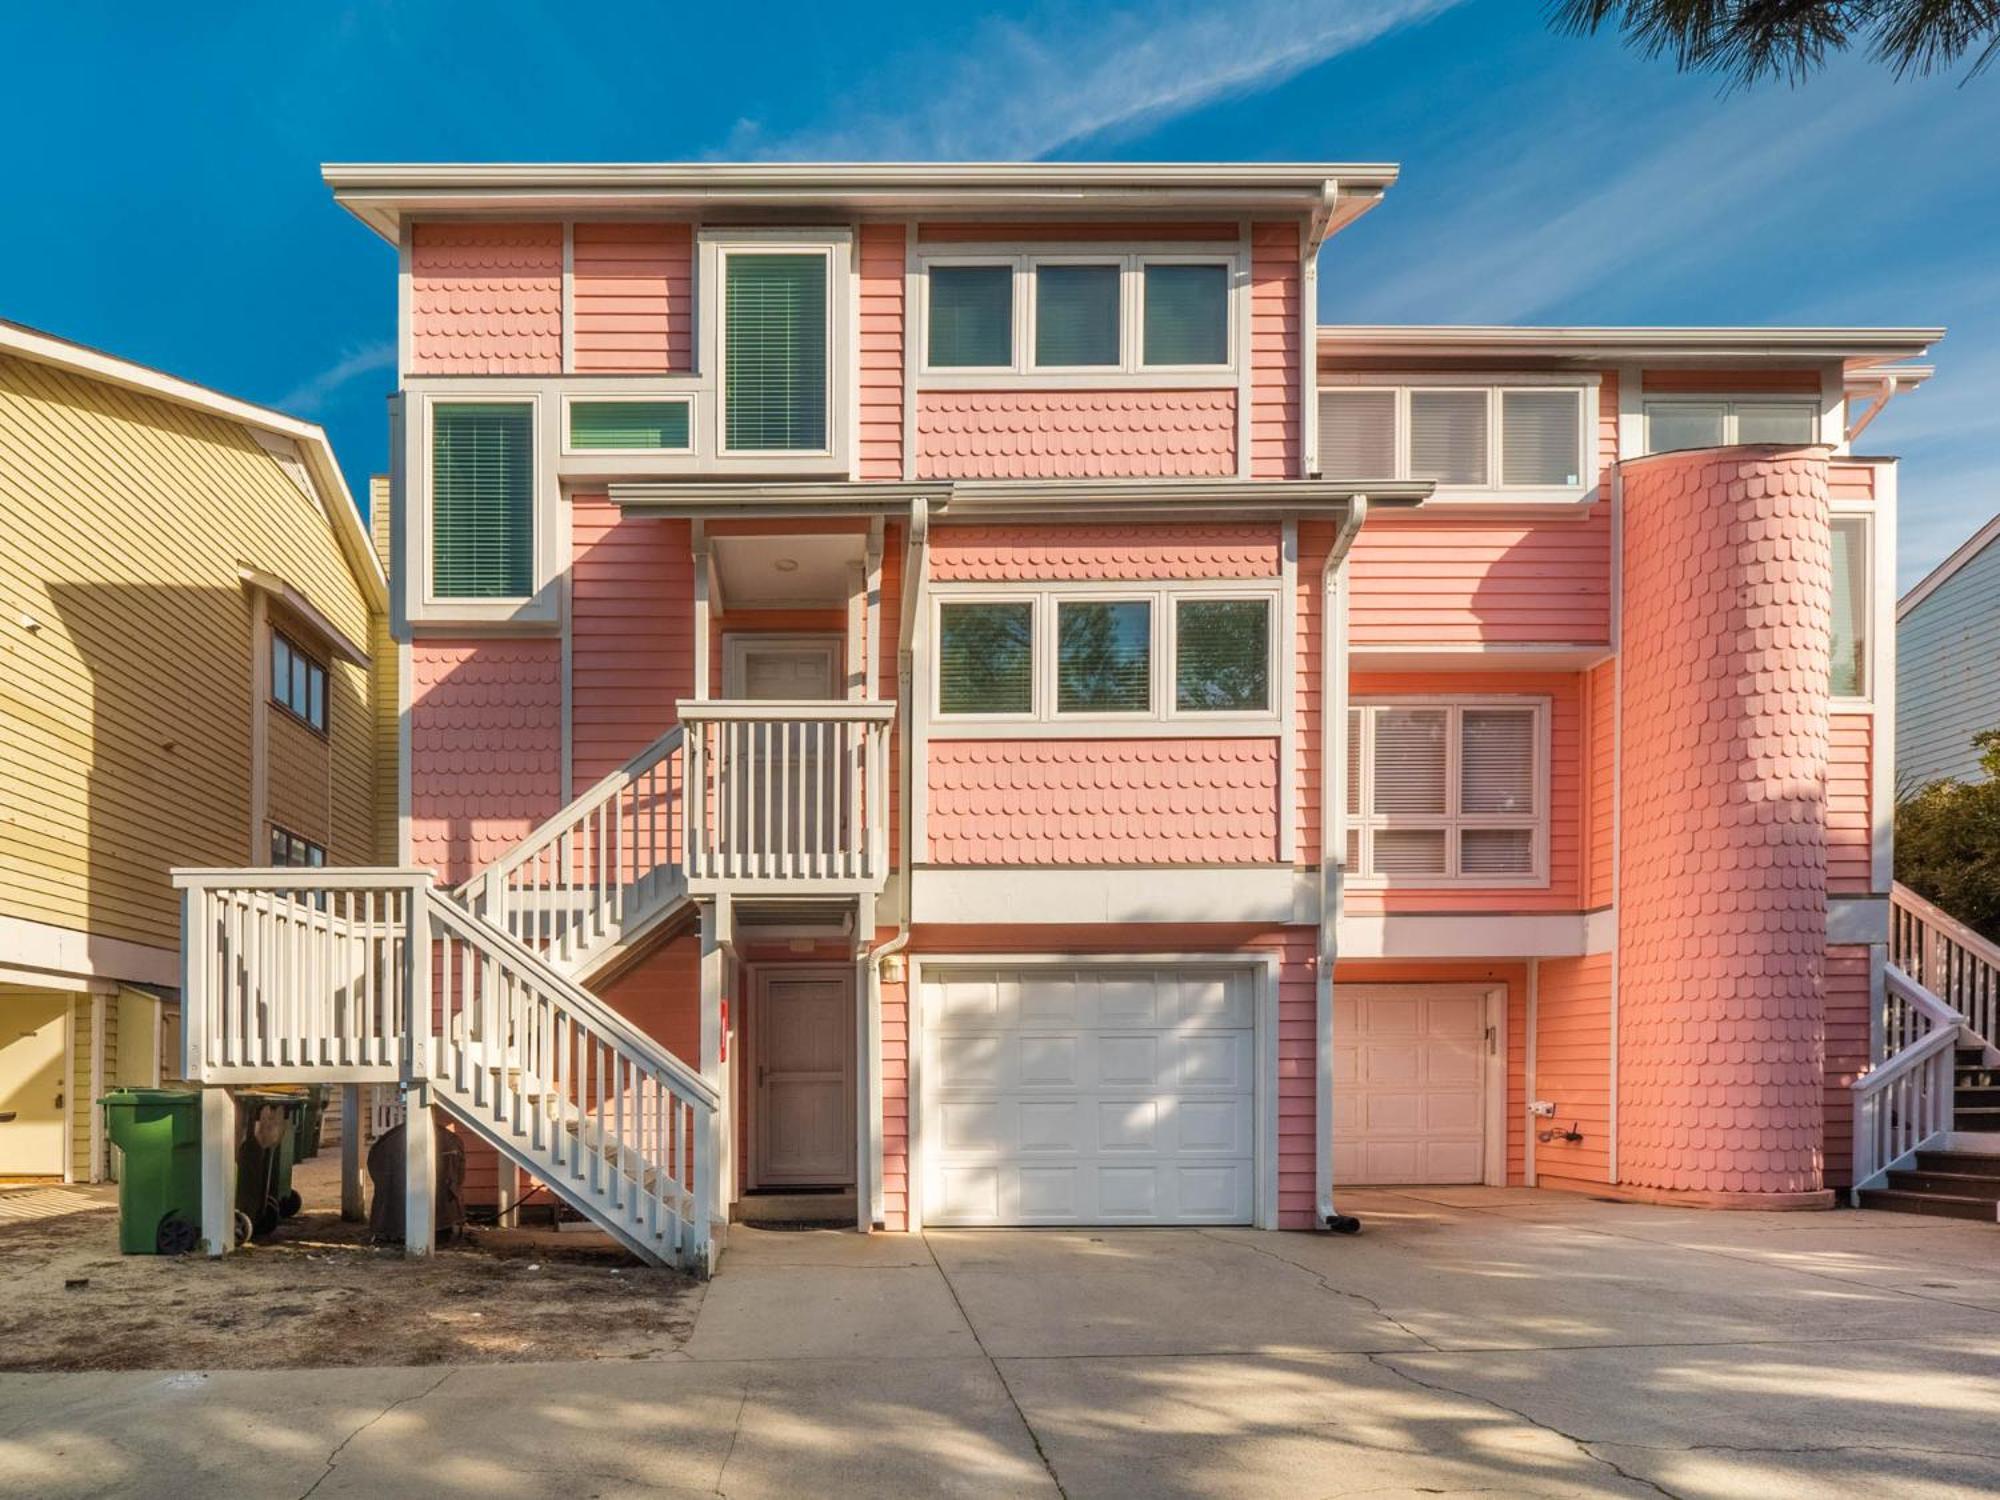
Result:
pixel 1332 847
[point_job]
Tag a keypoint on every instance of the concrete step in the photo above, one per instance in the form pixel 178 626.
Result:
pixel 1960 1184
pixel 832 1209
pixel 1937 1205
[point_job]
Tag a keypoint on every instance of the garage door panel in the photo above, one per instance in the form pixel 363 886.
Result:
pixel 1410 1078
pixel 1073 1096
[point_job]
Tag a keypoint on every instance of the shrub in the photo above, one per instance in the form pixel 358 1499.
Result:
pixel 1948 843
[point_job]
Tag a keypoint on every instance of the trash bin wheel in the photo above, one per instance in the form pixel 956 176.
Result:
pixel 289 1205
pixel 243 1227
pixel 175 1236
pixel 266 1221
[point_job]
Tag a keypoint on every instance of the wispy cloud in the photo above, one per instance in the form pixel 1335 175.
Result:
pixel 1017 91
pixel 309 397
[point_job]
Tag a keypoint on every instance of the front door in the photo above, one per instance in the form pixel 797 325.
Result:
pixel 31 1085
pixel 802 1051
pixel 785 807
pixel 784 668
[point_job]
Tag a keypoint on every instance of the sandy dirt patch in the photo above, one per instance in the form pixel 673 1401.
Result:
pixel 319 1294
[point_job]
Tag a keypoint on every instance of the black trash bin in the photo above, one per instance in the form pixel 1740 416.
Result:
pixel 265 1132
pixel 385 1171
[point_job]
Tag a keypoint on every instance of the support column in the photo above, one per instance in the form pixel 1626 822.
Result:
pixel 419 1172
pixel 354 1122
pixel 719 1162
pixel 218 1170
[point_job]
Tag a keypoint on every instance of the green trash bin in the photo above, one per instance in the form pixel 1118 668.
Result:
pixel 159 1186
pixel 266 1130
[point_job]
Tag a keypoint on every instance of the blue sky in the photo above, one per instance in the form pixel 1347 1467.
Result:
pixel 163 198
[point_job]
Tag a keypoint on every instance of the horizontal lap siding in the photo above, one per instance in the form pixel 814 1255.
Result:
pixel 1315 542
pixel 631 634
pixel 485 748
pixel 1422 581
pixel 1573 1065
pixel 1731 382
pixel 1567 771
pixel 1850 482
pixel 1847 1010
pixel 1946 687
pixel 633 286
pixel 1601 752
pixel 1275 349
pixel 1079 434
pixel 486 299
pixel 1103 802
pixel 895 1064
pixel 881 257
pixel 1850 830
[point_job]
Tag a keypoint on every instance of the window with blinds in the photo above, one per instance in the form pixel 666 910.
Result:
pixel 629 426
pixel 1526 438
pixel 1713 422
pixel 1186 314
pixel 1357 434
pixel 1104 656
pixel 1076 315
pixel 1541 441
pixel 1447 793
pixel 1222 655
pixel 774 339
pixel 986 657
pixel 1850 607
pixel 1448 436
pixel 970 317
pixel 482 499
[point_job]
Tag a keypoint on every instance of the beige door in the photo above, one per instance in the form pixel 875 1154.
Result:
pixel 1410 1083
pixel 782 669
pixel 32 1094
pixel 803 1055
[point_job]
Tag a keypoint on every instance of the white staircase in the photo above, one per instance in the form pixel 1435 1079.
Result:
pixel 476 999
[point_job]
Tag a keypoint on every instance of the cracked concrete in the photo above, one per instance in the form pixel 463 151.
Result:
pixel 1469 1341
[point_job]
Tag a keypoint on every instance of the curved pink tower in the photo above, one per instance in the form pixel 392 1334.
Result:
pixel 1722 864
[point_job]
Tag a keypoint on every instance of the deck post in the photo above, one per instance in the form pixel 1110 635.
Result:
pixel 354 1124
pixel 419 1173
pixel 218 1170
pixel 715 1160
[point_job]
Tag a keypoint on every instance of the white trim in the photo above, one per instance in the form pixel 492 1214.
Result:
pixel 1243 350
pixel 97 1143
pixel 87 955
pixel 1531 1063
pixel 69 1089
pixel 404 767
pixel 1760 347
pixel 1308 314
pixel 1287 635
pixel 1873 608
pixel 1883 614
pixel 423 605
pixel 1263 966
pixel 1478 656
pixel 1631 412
pixel 1481 935
pixel 406 342
pixel 954 895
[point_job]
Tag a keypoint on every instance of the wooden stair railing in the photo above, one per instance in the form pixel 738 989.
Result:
pixel 1903 1105
pixel 1947 958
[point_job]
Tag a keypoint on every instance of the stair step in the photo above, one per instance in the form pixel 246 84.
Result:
pixel 1956 1184
pixel 1967 1056
pixel 1938 1205
pixel 1978 1098
pixel 1982 1119
pixel 1970 1163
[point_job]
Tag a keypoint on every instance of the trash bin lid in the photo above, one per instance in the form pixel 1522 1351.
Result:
pixel 150 1096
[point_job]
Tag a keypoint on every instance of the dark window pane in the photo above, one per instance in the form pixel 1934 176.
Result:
pixel 1187 315
pixel 1105 657
pixel 986 658
pixel 482 500
pixel 1076 315
pixel 774 353
pixel 1222 656
pixel 971 316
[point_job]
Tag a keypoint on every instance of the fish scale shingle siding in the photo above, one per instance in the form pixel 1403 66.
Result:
pixel 1076 434
pixel 486 299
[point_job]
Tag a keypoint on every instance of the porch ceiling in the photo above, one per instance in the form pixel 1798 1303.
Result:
pixel 809 571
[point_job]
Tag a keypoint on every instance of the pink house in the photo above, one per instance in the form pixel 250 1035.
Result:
pixel 936 695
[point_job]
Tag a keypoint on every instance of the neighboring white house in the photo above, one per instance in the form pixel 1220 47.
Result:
pixel 1948 664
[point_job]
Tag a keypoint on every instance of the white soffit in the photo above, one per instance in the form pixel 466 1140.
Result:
pixel 808 571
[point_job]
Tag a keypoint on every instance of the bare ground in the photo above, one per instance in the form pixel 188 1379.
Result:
pixel 319 1294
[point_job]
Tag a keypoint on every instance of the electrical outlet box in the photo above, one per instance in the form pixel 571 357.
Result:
pixel 1544 1107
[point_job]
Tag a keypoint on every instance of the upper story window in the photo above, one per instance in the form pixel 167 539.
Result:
pixel 776 349
pixel 1080 314
pixel 1852 606
pixel 1448 792
pixel 1714 422
pixel 1530 441
pixel 289 851
pixel 298 681
pixel 1095 652
pixel 482 489
pixel 630 424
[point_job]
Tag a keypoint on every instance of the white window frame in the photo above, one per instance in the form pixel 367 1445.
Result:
pixel 713 249
pixel 1130 372
pixel 1492 492
pixel 424 603
pixel 1365 823
pixel 1730 409
pixel 1870 609
pixel 1165 718
pixel 572 397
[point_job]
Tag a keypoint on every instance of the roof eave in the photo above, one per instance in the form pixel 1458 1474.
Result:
pixel 1855 347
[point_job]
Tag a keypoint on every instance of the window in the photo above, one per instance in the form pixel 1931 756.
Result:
pixel 1076 315
pixel 1529 439
pixel 298 682
pixel 774 339
pixel 289 851
pixel 629 426
pixel 1447 793
pixel 482 499
pixel 1104 656
pixel 1851 565
pixel 1185 314
pixel 1714 423
pixel 986 657
pixel 1222 655
pixel 971 317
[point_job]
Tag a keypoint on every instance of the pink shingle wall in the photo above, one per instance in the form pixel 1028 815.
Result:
pixel 1275 347
pixel 634 291
pixel 1722 905
pixel 485 748
pixel 1573 1065
pixel 1076 434
pixel 1103 802
pixel 879 257
pixel 486 299
pixel 1102 554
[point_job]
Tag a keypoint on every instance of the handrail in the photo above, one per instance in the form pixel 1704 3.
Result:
pixel 844 710
pixel 1903 1105
pixel 565 817
pixel 1949 959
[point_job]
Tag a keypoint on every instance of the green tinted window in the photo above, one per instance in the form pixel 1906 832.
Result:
pixel 971 316
pixel 1076 315
pixel 482 500
pixel 986 658
pixel 1104 657
pixel 1222 655
pixel 628 424
pixel 1187 315
pixel 774 340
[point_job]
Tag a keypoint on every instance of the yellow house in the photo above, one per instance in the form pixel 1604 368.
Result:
pixel 194 670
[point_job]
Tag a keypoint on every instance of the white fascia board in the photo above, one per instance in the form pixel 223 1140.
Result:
pixel 1464 935
pixel 1469 656
pixel 86 955
pixel 978 897
pixel 1762 345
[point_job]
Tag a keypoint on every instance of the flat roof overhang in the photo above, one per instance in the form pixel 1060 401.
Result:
pixel 1855 349
pixel 1057 500
pixel 383 195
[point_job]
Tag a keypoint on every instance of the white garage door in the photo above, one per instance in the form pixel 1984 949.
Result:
pixel 1409 1084
pixel 1089 1096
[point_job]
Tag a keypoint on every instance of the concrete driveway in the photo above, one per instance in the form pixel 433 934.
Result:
pixel 1470 1339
